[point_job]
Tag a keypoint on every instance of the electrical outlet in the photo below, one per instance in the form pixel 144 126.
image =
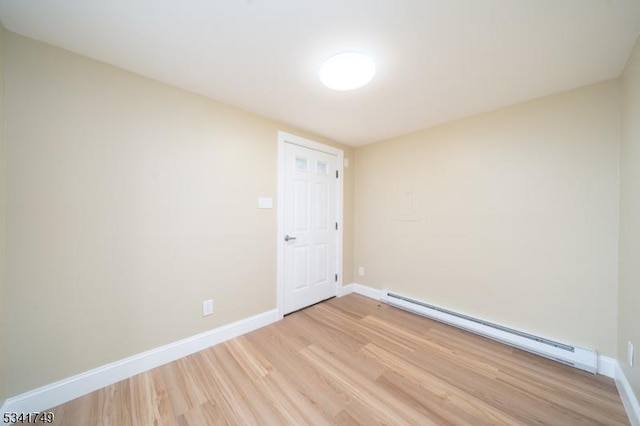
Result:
pixel 361 271
pixel 207 307
pixel 630 354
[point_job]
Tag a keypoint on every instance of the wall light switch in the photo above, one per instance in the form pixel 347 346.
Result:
pixel 265 203
pixel 630 354
pixel 345 163
pixel 361 271
pixel 207 307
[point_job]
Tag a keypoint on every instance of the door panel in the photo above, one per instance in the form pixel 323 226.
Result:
pixel 300 268
pixel 322 252
pixel 301 205
pixel 322 193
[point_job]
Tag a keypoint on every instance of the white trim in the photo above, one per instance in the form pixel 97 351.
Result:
pixel 283 138
pixel 57 393
pixel 628 397
pixel 280 212
pixel 363 290
pixel 308 143
pixel 607 366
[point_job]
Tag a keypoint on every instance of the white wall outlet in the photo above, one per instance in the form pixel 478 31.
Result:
pixel 207 307
pixel 630 354
pixel 361 271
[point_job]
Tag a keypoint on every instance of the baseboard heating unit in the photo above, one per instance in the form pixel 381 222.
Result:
pixel 584 359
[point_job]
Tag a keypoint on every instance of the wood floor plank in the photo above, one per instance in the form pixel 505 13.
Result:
pixel 361 330
pixel 114 405
pixel 440 388
pixel 490 392
pixel 243 403
pixel 299 371
pixel 292 406
pixel 251 360
pixel 341 345
pixel 442 411
pixel 295 407
pixel 182 377
pixel 354 361
pixel 361 390
pixel 78 411
pixel 150 403
pixel 208 413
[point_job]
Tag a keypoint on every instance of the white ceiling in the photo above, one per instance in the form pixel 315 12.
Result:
pixel 438 60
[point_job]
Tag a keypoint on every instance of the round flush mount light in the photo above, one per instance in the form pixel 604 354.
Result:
pixel 347 71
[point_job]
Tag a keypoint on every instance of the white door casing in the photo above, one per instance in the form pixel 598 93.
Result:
pixel 309 217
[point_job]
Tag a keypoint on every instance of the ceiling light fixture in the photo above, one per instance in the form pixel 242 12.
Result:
pixel 347 71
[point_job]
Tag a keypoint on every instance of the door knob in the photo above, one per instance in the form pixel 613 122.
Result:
pixel 288 238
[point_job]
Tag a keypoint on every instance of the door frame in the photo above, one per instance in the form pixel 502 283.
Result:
pixel 287 138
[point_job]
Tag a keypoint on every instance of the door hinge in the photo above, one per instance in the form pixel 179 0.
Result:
pixel 336 226
pixel 336 174
pixel 336 277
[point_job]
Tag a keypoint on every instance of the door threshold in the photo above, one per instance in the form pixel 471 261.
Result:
pixel 306 307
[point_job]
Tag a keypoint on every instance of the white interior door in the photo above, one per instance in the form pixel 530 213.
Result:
pixel 310 236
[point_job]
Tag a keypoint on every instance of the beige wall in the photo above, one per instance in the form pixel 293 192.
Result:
pixel 514 216
pixel 629 292
pixel 129 202
pixel 3 299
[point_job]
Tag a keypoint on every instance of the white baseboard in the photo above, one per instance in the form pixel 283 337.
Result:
pixel 363 290
pixel 607 366
pixel 629 399
pixel 65 390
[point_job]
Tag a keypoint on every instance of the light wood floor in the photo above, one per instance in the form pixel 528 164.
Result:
pixel 354 361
